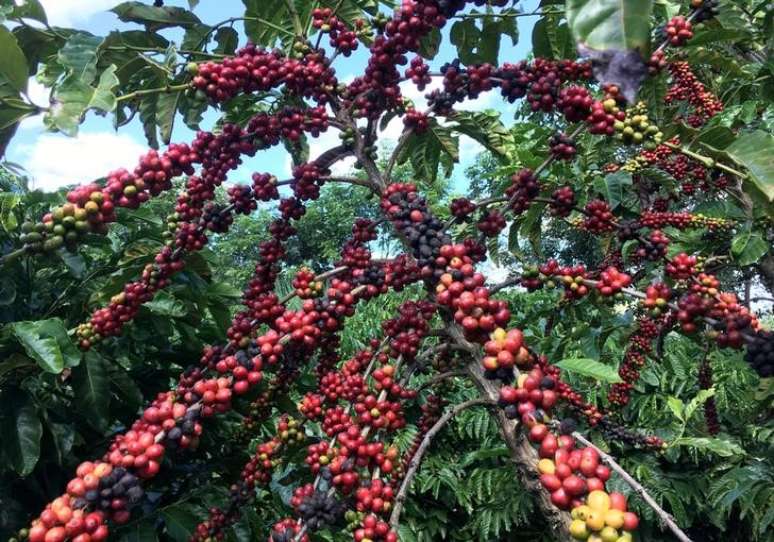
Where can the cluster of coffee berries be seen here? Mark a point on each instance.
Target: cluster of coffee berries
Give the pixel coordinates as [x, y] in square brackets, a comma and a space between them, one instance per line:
[532, 399]
[637, 129]
[657, 296]
[603, 117]
[505, 349]
[317, 508]
[287, 530]
[612, 281]
[409, 213]
[686, 87]
[523, 189]
[341, 38]
[491, 223]
[599, 218]
[419, 73]
[704, 10]
[678, 31]
[653, 247]
[462, 289]
[575, 103]
[253, 69]
[305, 285]
[760, 353]
[462, 207]
[562, 147]
[681, 266]
[634, 359]
[603, 516]
[562, 201]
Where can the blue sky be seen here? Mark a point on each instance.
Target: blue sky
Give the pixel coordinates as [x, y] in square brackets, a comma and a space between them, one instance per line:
[53, 160]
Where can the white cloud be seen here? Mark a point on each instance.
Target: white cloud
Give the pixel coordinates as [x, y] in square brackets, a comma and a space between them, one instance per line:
[54, 160]
[67, 12]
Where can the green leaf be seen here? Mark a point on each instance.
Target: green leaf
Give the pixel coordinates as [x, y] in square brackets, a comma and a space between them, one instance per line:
[64, 437]
[13, 110]
[30, 9]
[275, 13]
[8, 202]
[46, 342]
[13, 65]
[227, 39]
[430, 149]
[125, 389]
[723, 448]
[541, 44]
[591, 368]
[79, 57]
[677, 407]
[7, 291]
[74, 97]
[748, 247]
[180, 522]
[92, 390]
[75, 263]
[22, 431]
[486, 128]
[104, 98]
[166, 305]
[465, 36]
[617, 184]
[755, 151]
[430, 44]
[155, 17]
[166, 109]
[141, 531]
[605, 25]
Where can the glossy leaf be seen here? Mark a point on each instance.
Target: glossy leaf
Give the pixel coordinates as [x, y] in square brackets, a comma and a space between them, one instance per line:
[755, 151]
[22, 431]
[749, 247]
[591, 368]
[605, 25]
[155, 17]
[13, 65]
[617, 185]
[92, 390]
[46, 342]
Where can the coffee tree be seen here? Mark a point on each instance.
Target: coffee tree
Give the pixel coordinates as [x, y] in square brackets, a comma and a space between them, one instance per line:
[630, 205]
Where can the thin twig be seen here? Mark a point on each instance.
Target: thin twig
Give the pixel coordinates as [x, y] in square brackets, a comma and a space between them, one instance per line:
[637, 487]
[416, 459]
